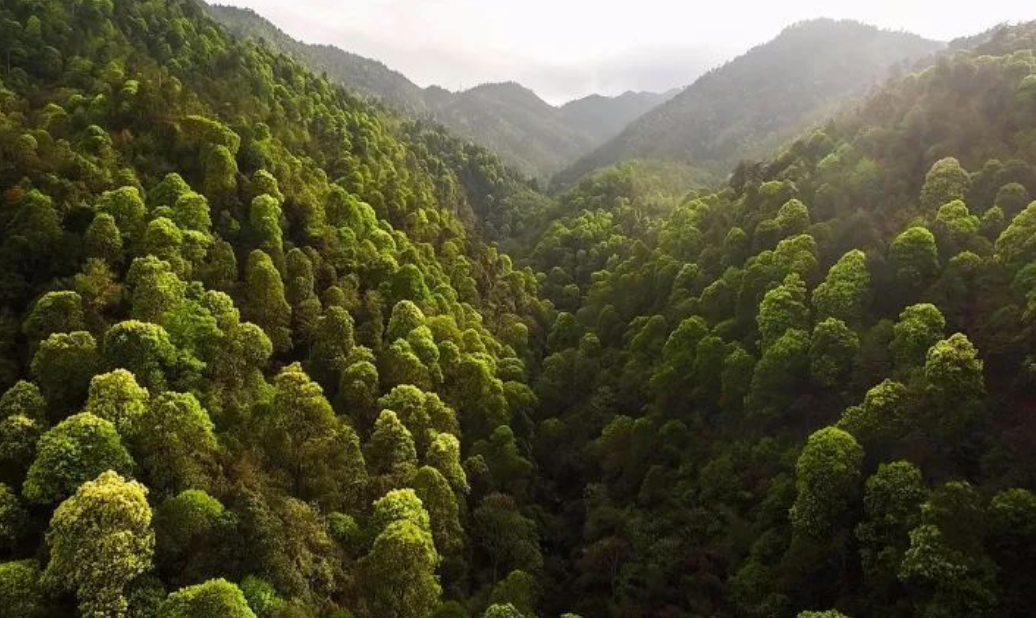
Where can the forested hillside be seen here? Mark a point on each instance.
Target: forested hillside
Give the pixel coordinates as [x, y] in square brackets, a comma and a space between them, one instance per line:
[526, 132]
[253, 362]
[257, 359]
[754, 103]
[813, 389]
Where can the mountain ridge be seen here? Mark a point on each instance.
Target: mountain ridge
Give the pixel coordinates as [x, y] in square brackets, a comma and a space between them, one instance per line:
[529, 133]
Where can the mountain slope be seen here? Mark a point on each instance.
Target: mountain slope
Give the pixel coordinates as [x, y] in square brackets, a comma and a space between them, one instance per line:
[758, 100]
[602, 118]
[528, 133]
[812, 389]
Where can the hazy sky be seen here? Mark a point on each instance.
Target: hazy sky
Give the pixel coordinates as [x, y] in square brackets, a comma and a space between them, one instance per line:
[565, 49]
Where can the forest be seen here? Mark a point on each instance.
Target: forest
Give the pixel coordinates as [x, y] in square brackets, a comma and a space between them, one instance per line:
[271, 349]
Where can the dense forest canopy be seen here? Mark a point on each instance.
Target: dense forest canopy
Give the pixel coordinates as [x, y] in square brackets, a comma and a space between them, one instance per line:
[268, 349]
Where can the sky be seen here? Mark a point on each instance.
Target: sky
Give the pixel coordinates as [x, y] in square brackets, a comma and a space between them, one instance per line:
[566, 49]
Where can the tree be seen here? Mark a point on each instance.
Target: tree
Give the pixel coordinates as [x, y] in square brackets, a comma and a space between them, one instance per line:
[72, 452]
[63, 366]
[127, 208]
[826, 474]
[155, 288]
[502, 610]
[946, 181]
[145, 350]
[13, 518]
[319, 454]
[845, 292]
[215, 597]
[390, 450]
[21, 592]
[778, 374]
[884, 413]
[54, 312]
[438, 499]
[509, 540]
[100, 539]
[398, 574]
[176, 444]
[783, 308]
[1016, 246]
[914, 258]
[955, 385]
[831, 352]
[192, 530]
[116, 397]
[265, 219]
[919, 328]
[103, 240]
[265, 303]
[444, 456]
[892, 502]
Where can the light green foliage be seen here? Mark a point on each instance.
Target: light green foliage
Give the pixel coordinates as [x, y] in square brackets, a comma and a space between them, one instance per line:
[103, 239]
[502, 610]
[783, 366]
[74, 451]
[175, 444]
[127, 208]
[116, 397]
[265, 219]
[216, 597]
[830, 613]
[1016, 246]
[783, 308]
[441, 503]
[793, 218]
[318, 454]
[100, 539]
[155, 288]
[265, 302]
[914, 257]
[883, 414]
[398, 575]
[845, 293]
[444, 456]
[144, 349]
[919, 327]
[23, 398]
[955, 385]
[826, 477]
[406, 316]
[946, 181]
[391, 447]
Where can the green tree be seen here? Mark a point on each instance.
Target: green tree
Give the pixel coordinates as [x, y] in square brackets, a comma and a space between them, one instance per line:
[176, 444]
[54, 312]
[63, 366]
[72, 452]
[914, 258]
[946, 181]
[116, 397]
[919, 328]
[265, 303]
[955, 385]
[826, 476]
[100, 539]
[892, 502]
[21, 591]
[397, 576]
[845, 292]
[783, 308]
[216, 597]
[831, 353]
[145, 350]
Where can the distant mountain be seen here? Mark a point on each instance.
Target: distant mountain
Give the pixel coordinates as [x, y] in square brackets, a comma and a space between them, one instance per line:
[525, 131]
[762, 98]
[602, 118]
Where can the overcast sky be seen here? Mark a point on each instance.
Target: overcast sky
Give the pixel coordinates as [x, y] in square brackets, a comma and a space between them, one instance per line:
[565, 49]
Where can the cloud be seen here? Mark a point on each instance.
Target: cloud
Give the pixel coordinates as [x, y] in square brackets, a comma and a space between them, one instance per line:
[564, 49]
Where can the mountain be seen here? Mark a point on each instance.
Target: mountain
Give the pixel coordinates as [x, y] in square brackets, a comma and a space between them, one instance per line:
[602, 118]
[528, 133]
[808, 393]
[756, 101]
